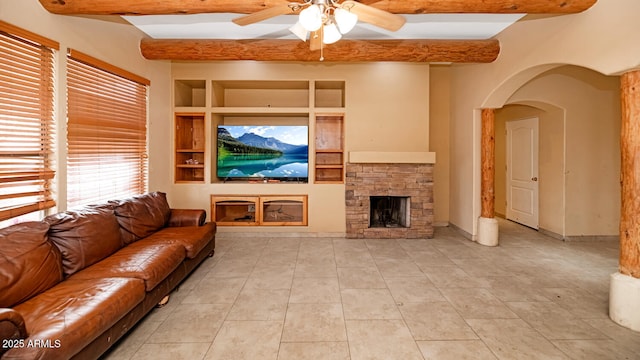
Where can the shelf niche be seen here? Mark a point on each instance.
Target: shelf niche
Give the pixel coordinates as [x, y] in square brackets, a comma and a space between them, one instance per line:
[251, 119]
[329, 94]
[189, 147]
[329, 148]
[189, 93]
[260, 94]
[235, 210]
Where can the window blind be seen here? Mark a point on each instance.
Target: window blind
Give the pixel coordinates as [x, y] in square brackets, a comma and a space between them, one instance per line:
[26, 121]
[106, 132]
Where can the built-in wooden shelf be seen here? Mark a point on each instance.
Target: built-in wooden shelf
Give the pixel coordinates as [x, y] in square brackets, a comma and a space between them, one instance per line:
[318, 104]
[256, 210]
[235, 210]
[329, 148]
[189, 147]
[283, 210]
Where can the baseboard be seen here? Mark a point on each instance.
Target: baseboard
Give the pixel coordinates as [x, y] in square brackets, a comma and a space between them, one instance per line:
[613, 238]
[225, 233]
[550, 234]
[237, 234]
[579, 238]
[462, 232]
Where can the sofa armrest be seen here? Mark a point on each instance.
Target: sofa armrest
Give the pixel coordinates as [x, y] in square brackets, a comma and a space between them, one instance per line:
[12, 327]
[187, 217]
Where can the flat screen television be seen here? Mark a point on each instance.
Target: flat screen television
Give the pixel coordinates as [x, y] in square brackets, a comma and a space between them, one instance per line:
[263, 152]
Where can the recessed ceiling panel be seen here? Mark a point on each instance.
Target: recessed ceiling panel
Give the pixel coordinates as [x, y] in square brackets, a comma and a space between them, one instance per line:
[219, 26]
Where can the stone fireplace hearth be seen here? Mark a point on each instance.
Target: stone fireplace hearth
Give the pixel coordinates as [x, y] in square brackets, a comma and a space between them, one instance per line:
[413, 181]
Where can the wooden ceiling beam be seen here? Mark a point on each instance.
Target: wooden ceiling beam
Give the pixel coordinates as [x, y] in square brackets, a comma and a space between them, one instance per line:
[154, 7]
[455, 51]
[484, 6]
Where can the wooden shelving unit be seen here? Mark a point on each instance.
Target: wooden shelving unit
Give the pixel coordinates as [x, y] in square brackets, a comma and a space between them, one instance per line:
[235, 210]
[283, 210]
[255, 210]
[189, 147]
[201, 105]
[329, 148]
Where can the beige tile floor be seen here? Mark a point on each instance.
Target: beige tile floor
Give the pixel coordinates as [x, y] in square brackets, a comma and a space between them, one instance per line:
[532, 297]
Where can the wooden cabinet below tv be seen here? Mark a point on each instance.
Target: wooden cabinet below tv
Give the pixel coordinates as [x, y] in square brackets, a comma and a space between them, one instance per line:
[259, 210]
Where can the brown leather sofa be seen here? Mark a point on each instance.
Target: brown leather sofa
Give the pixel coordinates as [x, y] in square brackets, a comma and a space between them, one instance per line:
[74, 283]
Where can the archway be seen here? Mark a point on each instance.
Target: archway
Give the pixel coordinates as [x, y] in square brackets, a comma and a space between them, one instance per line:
[580, 148]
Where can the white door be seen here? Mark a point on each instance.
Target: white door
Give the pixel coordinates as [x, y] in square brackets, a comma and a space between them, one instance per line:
[522, 171]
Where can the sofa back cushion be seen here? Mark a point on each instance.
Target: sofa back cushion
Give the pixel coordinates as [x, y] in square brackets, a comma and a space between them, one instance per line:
[29, 263]
[84, 236]
[141, 216]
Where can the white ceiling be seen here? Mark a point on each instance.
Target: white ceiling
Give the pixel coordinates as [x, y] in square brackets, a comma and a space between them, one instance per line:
[219, 26]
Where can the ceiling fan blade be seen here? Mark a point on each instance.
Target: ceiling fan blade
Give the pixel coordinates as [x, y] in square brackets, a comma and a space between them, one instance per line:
[374, 16]
[315, 40]
[263, 15]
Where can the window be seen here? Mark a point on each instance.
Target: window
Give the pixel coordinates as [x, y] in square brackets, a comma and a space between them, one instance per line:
[106, 131]
[26, 121]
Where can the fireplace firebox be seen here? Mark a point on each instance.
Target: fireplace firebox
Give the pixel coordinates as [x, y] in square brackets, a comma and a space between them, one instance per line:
[390, 211]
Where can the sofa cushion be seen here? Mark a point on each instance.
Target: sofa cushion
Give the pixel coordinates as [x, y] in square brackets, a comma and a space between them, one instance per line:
[84, 236]
[29, 264]
[142, 260]
[141, 216]
[192, 238]
[74, 313]
[187, 217]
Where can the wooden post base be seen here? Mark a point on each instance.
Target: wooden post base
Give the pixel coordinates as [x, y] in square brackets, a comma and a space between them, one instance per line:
[624, 297]
[487, 231]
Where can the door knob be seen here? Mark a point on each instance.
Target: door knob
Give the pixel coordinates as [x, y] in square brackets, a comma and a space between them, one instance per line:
[535, 178]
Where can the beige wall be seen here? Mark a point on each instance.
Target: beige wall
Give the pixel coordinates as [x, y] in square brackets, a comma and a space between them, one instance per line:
[386, 109]
[439, 114]
[113, 42]
[387, 103]
[602, 38]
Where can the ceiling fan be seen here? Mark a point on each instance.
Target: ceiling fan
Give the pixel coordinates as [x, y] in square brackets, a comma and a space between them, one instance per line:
[325, 21]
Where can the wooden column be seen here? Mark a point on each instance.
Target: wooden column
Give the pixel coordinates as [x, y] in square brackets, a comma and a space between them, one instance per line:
[630, 175]
[488, 152]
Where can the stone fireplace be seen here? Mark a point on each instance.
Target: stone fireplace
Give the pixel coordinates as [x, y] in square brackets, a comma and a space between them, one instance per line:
[397, 190]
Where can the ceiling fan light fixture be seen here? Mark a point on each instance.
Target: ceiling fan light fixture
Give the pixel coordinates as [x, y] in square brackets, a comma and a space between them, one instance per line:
[330, 33]
[299, 31]
[311, 18]
[345, 19]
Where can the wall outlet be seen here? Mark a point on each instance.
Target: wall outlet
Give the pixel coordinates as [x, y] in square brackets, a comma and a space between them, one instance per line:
[251, 208]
